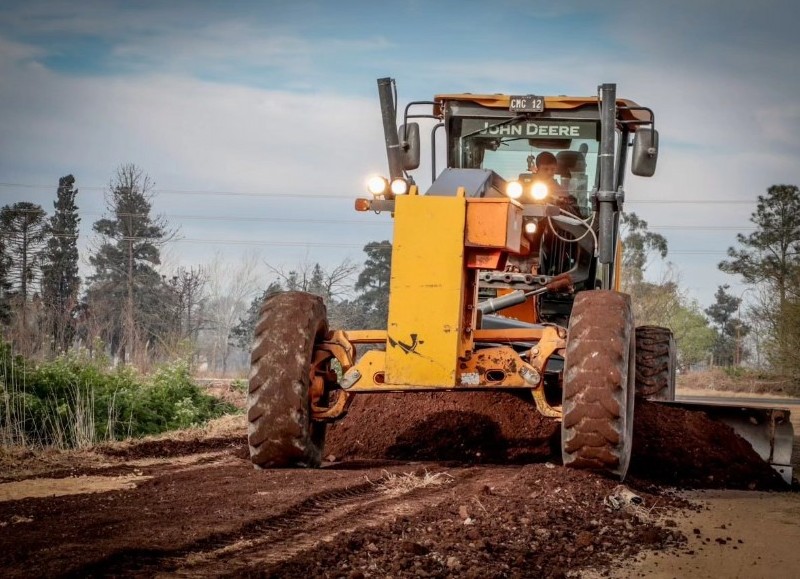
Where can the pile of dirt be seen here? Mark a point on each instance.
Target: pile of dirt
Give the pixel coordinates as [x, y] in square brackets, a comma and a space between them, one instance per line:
[167, 447]
[474, 427]
[671, 445]
[687, 449]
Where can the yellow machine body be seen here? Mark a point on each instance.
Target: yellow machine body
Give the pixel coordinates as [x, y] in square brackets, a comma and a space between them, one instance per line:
[423, 344]
[439, 245]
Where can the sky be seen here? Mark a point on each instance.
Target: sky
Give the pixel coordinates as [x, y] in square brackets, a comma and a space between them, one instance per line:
[259, 121]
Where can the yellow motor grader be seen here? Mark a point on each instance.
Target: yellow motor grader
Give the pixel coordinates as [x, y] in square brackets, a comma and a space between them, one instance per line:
[504, 276]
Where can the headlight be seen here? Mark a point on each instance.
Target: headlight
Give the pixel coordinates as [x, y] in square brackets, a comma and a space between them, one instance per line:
[530, 227]
[539, 191]
[514, 189]
[399, 187]
[377, 185]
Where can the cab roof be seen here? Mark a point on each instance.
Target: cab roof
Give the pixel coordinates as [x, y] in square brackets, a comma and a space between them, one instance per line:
[502, 101]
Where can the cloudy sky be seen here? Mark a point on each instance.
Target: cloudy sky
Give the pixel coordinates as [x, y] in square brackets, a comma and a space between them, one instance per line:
[259, 120]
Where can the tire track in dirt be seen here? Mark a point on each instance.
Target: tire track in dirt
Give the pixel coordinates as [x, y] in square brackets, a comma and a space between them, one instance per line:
[285, 543]
[278, 537]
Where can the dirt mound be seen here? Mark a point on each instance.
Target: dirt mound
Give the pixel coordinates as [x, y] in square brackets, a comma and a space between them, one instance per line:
[671, 445]
[688, 449]
[166, 447]
[478, 427]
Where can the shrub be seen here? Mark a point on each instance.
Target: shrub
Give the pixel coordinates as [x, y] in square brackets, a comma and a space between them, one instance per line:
[76, 401]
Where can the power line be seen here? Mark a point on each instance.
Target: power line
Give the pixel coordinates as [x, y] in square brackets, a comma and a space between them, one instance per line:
[371, 222]
[352, 196]
[338, 244]
[194, 192]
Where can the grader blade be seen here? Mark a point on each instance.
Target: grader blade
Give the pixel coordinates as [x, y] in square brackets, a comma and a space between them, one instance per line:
[768, 430]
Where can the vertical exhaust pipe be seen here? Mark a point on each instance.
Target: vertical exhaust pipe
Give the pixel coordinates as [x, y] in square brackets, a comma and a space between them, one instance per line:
[389, 114]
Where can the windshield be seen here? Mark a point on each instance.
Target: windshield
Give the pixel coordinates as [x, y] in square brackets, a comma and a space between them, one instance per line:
[510, 149]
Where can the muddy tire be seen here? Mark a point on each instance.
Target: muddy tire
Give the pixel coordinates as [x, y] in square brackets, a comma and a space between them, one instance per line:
[656, 363]
[280, 430]
[598, 394]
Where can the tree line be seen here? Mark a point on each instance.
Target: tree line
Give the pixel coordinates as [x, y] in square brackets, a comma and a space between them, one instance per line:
[139, 314]
[129, 306]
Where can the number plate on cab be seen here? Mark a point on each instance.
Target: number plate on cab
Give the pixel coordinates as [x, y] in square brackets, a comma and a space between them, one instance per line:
[526, 104]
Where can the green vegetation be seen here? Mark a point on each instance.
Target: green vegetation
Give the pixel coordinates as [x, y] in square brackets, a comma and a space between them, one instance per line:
[75, 402]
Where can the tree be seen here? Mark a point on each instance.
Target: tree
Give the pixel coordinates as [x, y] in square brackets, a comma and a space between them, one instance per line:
[229, 290]
[694, 338]
[728, 325]
[771, 256]
[60, 280]
[242, 334]
[373, 283]
[638, 247]
[330, 284]
[188, 285]
[661, 302]
[126, 287]
[5, 285]
[24, 231]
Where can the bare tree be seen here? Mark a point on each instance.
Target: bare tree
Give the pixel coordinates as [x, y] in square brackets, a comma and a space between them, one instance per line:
[331, 284]
[229, 290]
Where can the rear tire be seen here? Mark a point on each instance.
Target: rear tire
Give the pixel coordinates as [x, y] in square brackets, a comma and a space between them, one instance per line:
[656, 363]
[598, 385]
[280, 430]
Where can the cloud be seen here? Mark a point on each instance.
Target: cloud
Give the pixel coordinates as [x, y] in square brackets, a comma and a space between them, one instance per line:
[280, 97]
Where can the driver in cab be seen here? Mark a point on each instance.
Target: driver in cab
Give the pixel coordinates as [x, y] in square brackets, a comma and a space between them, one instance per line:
[543, 170]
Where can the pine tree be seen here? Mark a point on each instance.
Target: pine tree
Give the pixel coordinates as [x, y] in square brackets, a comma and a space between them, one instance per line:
[5, 285]
[724, 315]
[24, 231]
[373, 283]
[60, 280]
[126, 290]
[770, 256]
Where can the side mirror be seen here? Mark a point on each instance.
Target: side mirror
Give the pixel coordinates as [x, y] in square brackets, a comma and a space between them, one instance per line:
[645, 152]
[408, 136]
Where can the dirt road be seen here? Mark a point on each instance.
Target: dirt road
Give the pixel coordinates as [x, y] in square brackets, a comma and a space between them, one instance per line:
[196, 507]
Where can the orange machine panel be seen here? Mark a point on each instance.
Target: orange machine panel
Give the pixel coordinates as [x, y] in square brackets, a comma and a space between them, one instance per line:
[494, 223]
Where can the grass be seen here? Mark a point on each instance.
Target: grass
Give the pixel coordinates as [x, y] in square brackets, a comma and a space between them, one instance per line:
[395, 485]
[76, 401]
[741, 380]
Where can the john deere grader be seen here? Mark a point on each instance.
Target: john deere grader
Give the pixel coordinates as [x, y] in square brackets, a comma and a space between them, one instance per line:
[505, 275]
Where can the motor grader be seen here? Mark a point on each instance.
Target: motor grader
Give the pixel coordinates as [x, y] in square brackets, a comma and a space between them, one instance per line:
[503, 277]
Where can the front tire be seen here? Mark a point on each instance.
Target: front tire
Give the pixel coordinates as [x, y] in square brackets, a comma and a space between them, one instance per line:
[280, 430]
[598, 384]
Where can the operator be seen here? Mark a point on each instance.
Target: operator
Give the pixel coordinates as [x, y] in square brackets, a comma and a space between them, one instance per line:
[545, 172]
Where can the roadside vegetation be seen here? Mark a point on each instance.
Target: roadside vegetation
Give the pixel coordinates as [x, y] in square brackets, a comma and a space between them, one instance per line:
[75, 401]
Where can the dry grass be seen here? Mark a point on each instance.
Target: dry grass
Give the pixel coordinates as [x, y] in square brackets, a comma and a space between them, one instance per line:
[739, 380]
[395, 485]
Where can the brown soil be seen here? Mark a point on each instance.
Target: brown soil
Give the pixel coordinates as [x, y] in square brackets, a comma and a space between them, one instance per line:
[195, 506]
[672, 446]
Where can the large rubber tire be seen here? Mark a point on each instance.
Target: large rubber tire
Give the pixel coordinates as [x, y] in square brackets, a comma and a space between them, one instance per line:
[598, 385]
[280, 430]
[656, 363]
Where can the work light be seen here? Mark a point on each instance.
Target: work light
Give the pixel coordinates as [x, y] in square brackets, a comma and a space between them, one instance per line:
[377, 185]
[539, 191]
[399, 187]
[514, 189]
